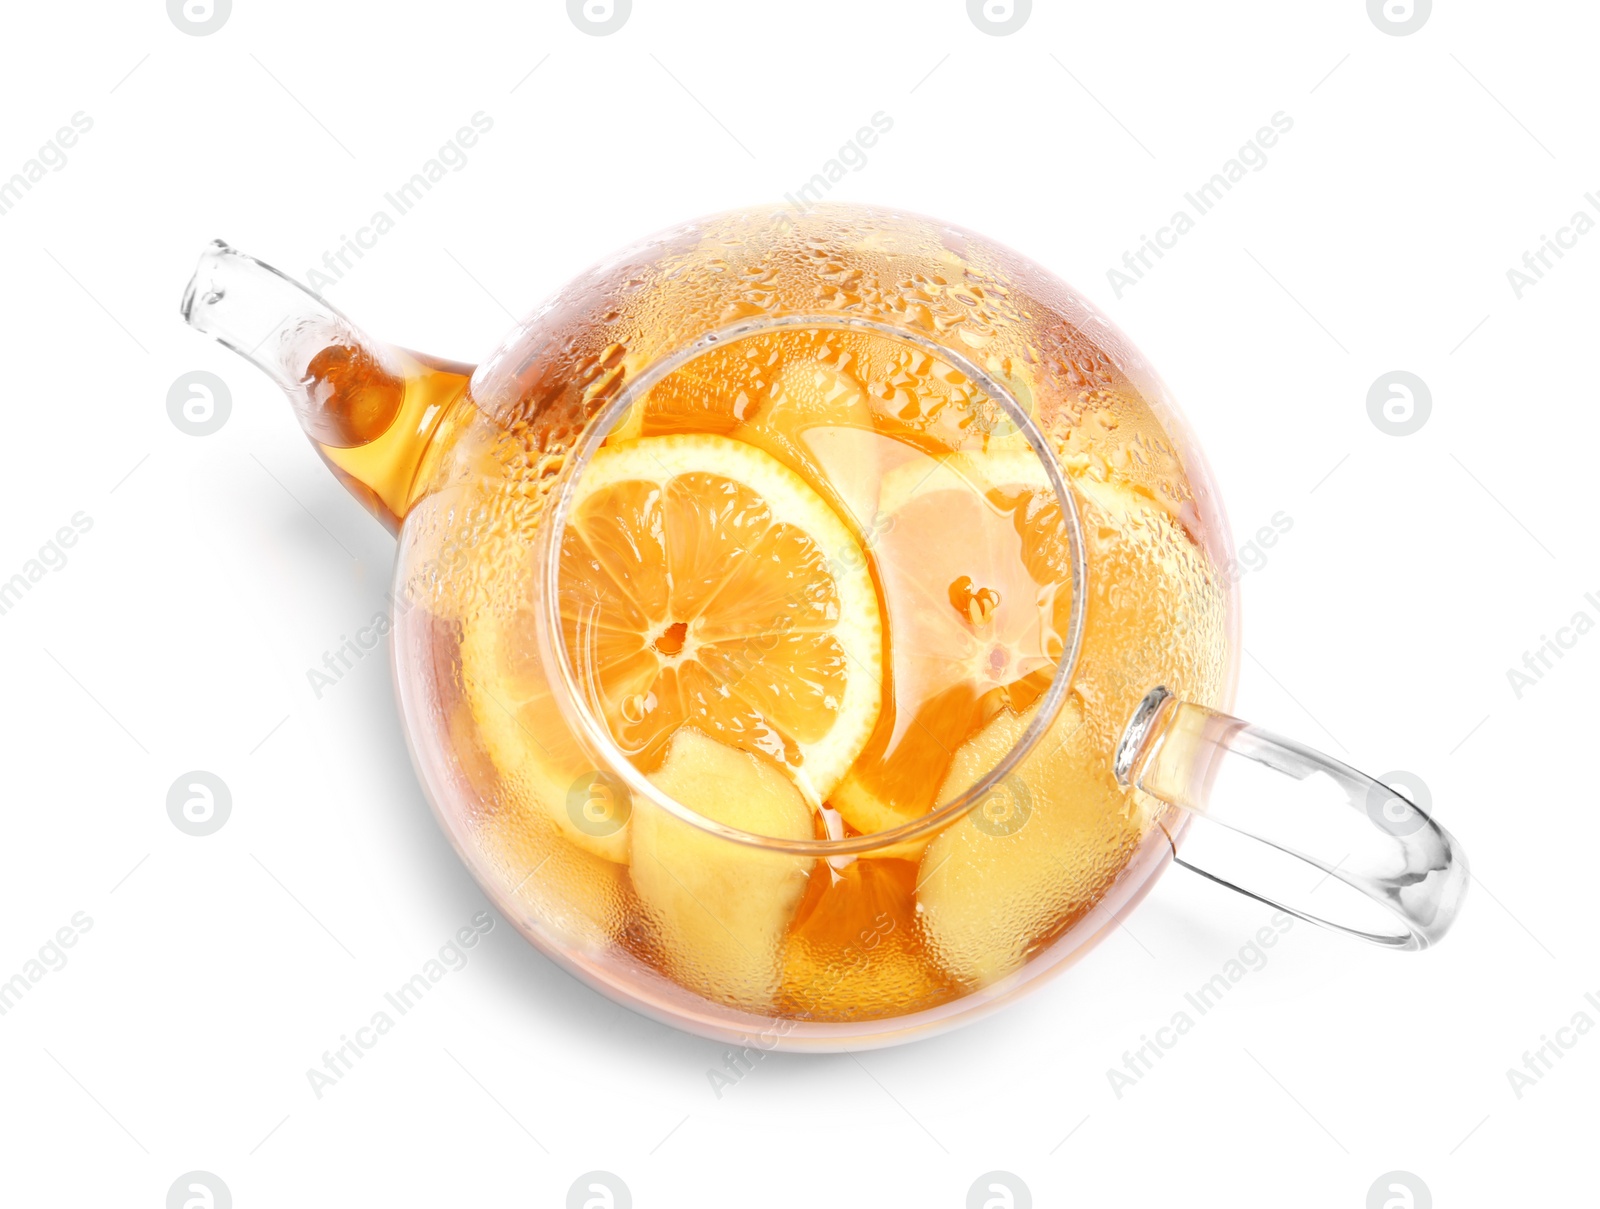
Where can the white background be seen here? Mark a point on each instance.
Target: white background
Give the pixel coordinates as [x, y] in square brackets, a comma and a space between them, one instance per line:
[218, 569]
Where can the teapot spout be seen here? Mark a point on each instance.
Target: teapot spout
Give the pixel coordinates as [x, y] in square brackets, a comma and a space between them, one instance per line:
[372, 411]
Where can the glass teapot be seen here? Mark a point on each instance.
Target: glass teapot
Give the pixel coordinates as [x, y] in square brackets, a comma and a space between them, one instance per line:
[813, 629]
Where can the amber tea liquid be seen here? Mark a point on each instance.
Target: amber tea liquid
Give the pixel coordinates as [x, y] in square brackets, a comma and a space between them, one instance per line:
[718, 659]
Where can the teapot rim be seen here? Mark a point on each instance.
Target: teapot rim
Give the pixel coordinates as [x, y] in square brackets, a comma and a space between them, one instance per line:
[597, 734]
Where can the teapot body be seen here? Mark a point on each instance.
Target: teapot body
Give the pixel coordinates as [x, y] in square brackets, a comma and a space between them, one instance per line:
[930, 933]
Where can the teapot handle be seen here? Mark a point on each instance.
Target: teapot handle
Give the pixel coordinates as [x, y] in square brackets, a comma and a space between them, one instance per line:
[1265, 790]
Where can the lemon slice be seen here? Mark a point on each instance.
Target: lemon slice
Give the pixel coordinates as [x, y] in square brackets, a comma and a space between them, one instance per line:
[977, 576]
[541, 767]
[976, 472]
[703, 582]
[797, 395]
